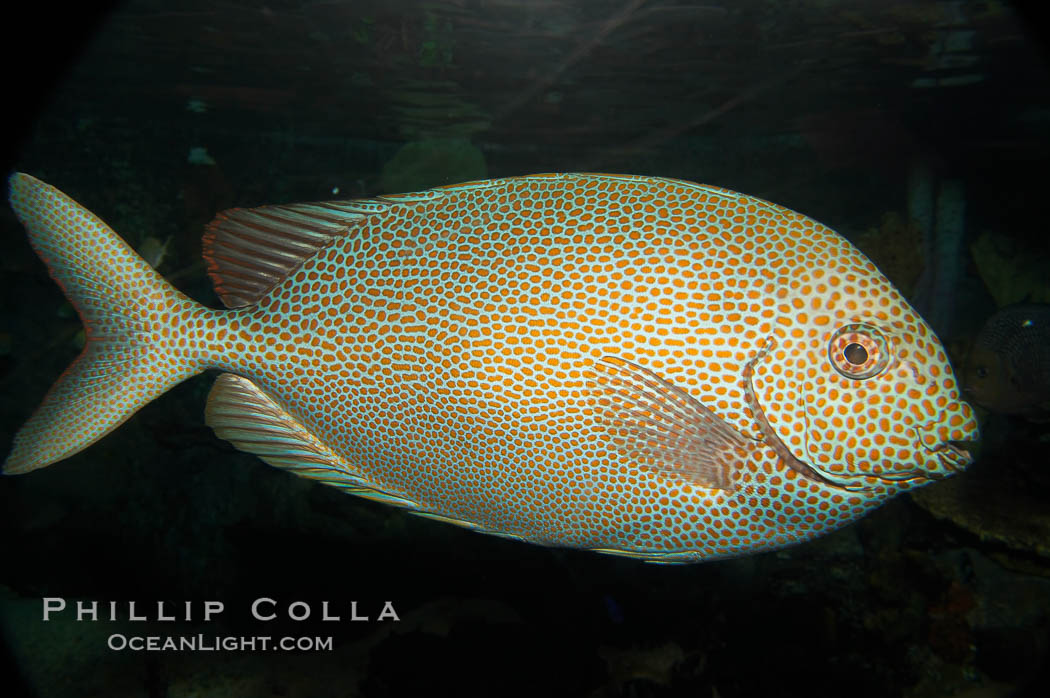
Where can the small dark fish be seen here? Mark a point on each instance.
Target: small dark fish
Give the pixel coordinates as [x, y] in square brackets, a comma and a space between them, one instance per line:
[1008, 369]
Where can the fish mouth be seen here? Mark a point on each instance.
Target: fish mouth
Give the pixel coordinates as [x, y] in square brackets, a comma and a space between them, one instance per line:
[953, 456]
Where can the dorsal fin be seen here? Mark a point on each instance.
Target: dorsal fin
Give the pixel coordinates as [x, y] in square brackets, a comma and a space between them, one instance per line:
[250, 250]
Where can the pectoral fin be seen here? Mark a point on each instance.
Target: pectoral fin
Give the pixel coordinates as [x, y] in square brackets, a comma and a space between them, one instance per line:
[667, 429]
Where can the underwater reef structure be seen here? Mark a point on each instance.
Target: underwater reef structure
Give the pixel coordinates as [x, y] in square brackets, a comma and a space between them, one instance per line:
[1002, 508]
[1012, 273]
[895, 246]
[425, 163]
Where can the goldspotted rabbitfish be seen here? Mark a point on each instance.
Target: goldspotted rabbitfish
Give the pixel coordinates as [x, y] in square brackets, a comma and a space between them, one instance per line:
[640, 366]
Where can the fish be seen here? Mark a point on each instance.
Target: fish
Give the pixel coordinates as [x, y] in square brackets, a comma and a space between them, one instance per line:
[633, 365]
[1008, 367]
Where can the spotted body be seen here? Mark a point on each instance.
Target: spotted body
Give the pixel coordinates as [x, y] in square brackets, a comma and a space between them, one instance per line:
[640, 366]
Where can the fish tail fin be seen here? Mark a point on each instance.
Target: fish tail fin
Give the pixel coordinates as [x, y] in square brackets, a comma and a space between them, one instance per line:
[127, 309]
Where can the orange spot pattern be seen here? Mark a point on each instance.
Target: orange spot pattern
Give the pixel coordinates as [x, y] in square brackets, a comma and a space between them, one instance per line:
[124, 303]
[443, 348]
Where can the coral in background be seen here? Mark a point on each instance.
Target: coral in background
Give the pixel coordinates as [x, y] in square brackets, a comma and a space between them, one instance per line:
[1010, 271]
[433, 162]
[895, 247]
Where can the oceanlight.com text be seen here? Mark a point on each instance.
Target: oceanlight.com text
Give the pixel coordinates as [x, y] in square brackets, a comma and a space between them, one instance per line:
[217, 643]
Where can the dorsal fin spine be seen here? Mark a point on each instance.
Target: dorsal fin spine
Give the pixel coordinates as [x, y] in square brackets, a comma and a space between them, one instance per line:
[249, 251]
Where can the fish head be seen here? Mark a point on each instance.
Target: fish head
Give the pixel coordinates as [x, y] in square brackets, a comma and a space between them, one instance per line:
[856, 386]
[1008, 367]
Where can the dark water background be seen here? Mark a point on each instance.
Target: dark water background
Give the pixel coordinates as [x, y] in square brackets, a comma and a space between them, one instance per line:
[159, 114]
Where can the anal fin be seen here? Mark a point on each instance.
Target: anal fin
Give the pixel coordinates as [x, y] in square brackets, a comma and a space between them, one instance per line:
[665, 428]
[239, 412]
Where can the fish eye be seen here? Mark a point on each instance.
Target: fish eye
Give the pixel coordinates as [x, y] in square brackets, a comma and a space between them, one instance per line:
[859, 351]
[856, 354]
[982, 372]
